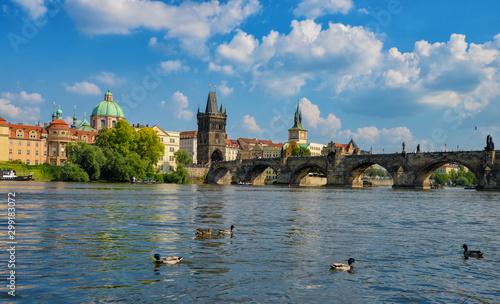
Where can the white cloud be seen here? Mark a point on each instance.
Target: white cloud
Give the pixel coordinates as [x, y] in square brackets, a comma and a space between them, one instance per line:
[19, 113]
[179, 104]
[224, 89]
[282, 63]
[34, 8]
[226, 69]
[109, 78]
[311, 114]
[316, 8]
[172, 66]
[23, 97]
[193, 23]
[363, 11]
[250, 124]
[83, 88]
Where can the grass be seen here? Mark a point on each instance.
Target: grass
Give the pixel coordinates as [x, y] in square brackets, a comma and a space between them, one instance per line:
[41, 171]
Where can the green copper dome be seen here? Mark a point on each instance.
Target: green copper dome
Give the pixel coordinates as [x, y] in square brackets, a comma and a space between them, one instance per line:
[107, 107]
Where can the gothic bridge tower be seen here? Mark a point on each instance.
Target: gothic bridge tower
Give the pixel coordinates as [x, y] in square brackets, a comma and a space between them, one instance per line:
[211, 138]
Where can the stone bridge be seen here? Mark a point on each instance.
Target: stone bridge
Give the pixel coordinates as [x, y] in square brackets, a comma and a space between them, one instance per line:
[410, 170]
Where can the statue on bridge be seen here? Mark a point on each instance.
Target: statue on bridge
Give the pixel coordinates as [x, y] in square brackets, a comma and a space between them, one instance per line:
[490, 146]
[418, 148]
[404, 150]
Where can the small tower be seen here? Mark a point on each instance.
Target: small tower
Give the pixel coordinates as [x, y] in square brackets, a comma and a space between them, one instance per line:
[59, 113]
[211, 139]
[297, 133]
[73, 125]
[54, 112]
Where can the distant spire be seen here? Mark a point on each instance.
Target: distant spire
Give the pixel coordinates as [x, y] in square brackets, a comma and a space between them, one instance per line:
[73, 125]
[84, 114]
[215, 88]
[54, 112]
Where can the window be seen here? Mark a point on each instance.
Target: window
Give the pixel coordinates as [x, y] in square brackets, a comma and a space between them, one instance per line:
[45, 144]
[36, 161]
[32, 134]
[36, 152]
[18, 142]
[44, 153]
[171, 149]
[19, 133]
[36, 144]
[19, 151]
[27, 162]
[161, 138]
[113, 123]
[28, 152]
[10, 151]
[54, 149]
[28, 143]
[10, 142]
[103, 123]
[172, 140]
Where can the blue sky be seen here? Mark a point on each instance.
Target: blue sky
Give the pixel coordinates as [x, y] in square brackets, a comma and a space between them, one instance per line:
[381, 72]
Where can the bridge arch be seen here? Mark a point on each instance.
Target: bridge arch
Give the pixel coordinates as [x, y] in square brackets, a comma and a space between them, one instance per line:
[354, 175]
[300, 172]
[255, 174]
[219, 174]
[423, 174]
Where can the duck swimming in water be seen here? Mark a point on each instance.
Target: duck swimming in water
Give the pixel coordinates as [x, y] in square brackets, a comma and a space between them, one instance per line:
[341, 266]
[469, 253]
[225, 231]
[167, 260]
[204, 231]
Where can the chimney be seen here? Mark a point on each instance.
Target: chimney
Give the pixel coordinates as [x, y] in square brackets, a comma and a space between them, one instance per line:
[147, 125]
[44, 124]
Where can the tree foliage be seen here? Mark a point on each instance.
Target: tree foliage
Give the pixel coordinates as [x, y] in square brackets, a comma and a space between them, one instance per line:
[148, 145]
[71, 172]
[300, 151]
[182, 158]
[89, 157]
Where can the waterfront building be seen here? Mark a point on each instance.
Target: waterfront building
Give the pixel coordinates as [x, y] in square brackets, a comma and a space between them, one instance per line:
[232, 149]
[211, 139]
[447, 168]
[23, 142]
[106, 113]
[343, 149]
[188, 142]
[315, 148]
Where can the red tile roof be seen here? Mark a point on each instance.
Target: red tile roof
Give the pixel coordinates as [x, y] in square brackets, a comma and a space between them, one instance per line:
[188, 134]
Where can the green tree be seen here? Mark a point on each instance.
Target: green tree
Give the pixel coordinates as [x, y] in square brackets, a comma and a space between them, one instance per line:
[73, 173]
[182, 158]
[463, 181]
[297, 151]
[122, 138]
[453, 176]
[149, 146]
[471, 177]
[89, 157]
[441, 178]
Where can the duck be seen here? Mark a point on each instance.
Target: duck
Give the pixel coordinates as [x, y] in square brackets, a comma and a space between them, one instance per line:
[204, 231]
[469, 253]
[340, 266]
[171, 260]
[225, 231]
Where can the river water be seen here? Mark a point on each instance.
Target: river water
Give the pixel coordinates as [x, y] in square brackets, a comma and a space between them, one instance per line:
[93, 243]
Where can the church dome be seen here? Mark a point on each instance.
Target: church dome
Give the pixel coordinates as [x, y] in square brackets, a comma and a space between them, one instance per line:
[108, 107]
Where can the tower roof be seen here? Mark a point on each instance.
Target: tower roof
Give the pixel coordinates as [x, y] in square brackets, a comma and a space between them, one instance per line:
[297, 120]
[212, 103]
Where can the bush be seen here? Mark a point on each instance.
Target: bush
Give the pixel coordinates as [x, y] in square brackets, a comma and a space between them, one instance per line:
[73, 173]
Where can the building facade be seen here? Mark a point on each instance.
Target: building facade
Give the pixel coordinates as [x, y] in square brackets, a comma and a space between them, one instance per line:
[171, 141]
[211, 140]
[232, 149]
[188, 142]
